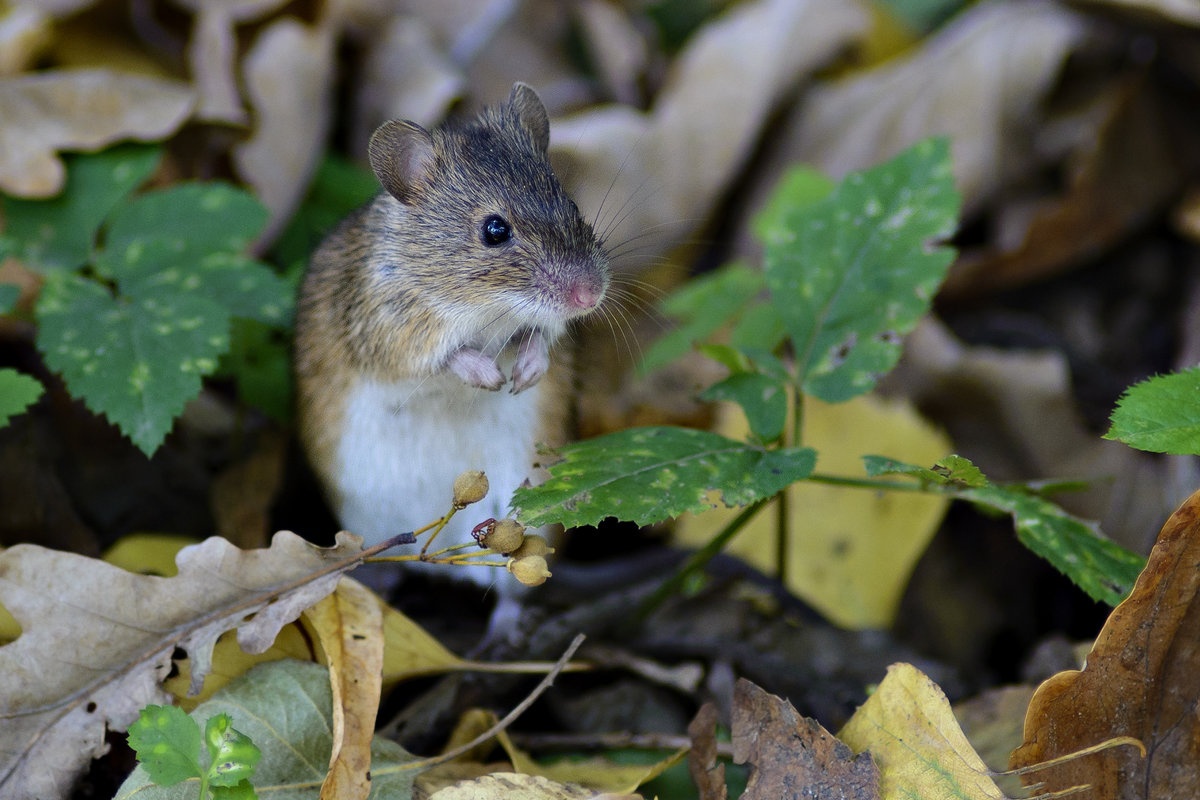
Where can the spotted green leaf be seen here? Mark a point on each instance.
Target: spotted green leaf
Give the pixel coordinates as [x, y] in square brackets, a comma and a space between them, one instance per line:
[953, 471]
[852, 274]
[1161, 414]
[18, 392]
[646, 475]
[137, 360]
[764, 400]
[232, 755]
[1103, 569]
[58, 233]
[167, 743]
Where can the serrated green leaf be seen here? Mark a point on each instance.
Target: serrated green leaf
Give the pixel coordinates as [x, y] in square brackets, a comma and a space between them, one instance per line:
[702, 306]
[954, 471]
[242, 791]
[646, 475]
[137, 361]
[1103, 569]
[1161, 414]
[196, 219]
[285, 707]
[58, 234]
[799, 188]
[232, 756]
[764, 400]
[18, 392]
[9, 294]
[851, 275]
[167, 743]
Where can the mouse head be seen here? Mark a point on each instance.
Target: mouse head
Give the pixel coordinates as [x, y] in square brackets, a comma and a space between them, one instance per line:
[482, 200]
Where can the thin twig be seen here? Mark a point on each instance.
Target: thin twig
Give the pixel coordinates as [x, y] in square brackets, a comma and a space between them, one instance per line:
[609, 741]
[508, 719]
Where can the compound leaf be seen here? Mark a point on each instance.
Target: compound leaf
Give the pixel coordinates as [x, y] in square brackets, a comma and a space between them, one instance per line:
[58, 233]
[646, 475]
[852, 274]
[1161, 414]
[139, 360]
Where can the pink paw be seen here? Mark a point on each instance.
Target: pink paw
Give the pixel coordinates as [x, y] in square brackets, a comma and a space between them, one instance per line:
[476, 369]
[533, 359]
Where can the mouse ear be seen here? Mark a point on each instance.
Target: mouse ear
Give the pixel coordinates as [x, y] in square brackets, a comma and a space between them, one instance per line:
[530, 112]
[401, 154]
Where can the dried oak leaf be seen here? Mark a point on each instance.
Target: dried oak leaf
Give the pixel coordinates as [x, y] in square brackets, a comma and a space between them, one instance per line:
[793, 756]
[1142, 680]
[78, 109]
[97, 641]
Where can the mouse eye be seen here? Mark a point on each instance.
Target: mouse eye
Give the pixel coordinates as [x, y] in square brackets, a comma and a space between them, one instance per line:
[496, 230]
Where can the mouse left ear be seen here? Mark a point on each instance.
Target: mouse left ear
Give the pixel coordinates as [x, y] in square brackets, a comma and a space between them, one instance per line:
[530, 112]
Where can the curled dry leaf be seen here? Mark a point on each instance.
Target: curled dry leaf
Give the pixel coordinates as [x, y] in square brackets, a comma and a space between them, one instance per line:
[1142, 680]
[793, 756]
[514, 786]
[97, 641]
[349, 625]
[80, 109]
[977, 81]
[707, 773]
[288, 75]
[908, 727]
[703, 125]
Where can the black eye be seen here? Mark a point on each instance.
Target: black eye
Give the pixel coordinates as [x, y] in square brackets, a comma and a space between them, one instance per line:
[496, 231]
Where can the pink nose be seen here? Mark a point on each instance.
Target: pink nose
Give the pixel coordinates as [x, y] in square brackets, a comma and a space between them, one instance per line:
[584, 295]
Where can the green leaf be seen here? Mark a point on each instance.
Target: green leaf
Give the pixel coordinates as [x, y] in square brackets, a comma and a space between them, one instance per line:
[799, 188]
[285, 707]
[851, 275]
[1103, 569]
[232, 756]
[18, 392]
[764, 400]
[259, 360]
[196, 218]
[1161, 414]
[9, 294]
[167, 743]
[953, 471]
[58, 234]
[138, 360]
[242, 791]
[702, 306]
[646, 475]
[339, 187]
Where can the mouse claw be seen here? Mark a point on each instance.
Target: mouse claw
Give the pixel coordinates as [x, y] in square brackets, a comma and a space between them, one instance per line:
[476, 369]
[533, 359]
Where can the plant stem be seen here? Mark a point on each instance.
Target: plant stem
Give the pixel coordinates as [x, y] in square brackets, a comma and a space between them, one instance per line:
[873, 484]
[698, 559]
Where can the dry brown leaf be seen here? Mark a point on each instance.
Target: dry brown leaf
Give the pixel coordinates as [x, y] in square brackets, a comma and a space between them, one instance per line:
[793, 756]
[82, 109]
[513, 786]
[288, 75]
[1142, 680]
[97, 641]
[909, 729]
[704, 123]
[707, 772]
[978, 80]
[349, 626]
[24, 32]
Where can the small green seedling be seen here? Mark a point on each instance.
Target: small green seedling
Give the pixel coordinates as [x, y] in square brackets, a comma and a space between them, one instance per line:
[167, 743]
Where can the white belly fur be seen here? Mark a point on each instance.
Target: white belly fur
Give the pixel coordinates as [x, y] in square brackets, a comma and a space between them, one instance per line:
[403, 445]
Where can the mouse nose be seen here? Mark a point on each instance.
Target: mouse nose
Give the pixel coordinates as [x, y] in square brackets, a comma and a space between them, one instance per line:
[585, 294]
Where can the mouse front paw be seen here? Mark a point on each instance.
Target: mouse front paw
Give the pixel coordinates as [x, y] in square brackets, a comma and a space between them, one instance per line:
[533, 359]
[476, 369]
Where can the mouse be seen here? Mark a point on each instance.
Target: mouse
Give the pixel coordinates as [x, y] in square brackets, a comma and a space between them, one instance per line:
[426, 326]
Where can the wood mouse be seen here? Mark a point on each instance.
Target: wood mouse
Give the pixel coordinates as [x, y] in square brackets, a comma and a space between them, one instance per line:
[425, 321]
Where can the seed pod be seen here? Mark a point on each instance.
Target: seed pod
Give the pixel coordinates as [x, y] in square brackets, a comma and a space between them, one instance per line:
[532, 546]
[469, 487]
[505, 536]
[530, 570]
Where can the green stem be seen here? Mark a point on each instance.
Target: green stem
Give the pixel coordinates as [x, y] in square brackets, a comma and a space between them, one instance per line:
[782, 517]
[698, 559]
[873, 484]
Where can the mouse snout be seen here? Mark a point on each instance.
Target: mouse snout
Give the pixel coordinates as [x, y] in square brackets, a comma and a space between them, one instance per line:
[585, 293]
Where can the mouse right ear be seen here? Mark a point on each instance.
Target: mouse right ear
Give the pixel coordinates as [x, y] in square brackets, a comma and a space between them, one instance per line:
[401, 154]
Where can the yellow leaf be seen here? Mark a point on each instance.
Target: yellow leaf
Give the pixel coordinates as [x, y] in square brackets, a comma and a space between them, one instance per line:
[148, 553]
[910, 731]
[229, 661]
[851, 551]
[349, 626]
[409, 651]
